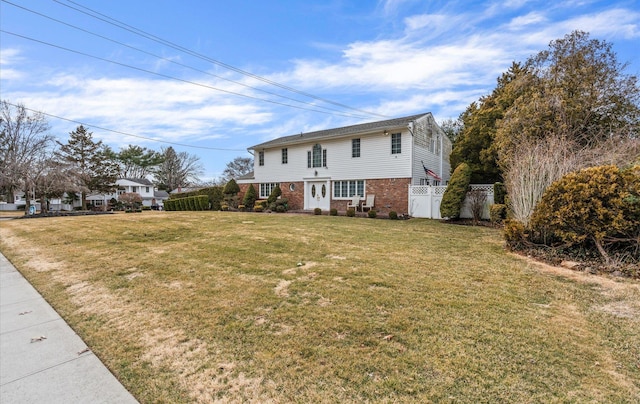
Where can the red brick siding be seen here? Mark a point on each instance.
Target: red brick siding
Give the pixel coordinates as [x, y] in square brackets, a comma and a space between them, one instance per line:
[295, 197]
[391, 194]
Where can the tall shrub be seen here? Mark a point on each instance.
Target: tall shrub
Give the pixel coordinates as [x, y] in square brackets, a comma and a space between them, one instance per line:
[455, 192]
[231, 187]
[250, 197]
[276, 192]
[230, 193]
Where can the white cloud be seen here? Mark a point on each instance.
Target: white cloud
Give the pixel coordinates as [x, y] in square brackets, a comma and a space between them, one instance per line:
[524, 21]
[9, 57]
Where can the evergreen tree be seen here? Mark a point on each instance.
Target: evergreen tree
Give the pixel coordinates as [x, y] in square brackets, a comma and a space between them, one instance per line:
[88, 164]
[474, 144]
[137, 162]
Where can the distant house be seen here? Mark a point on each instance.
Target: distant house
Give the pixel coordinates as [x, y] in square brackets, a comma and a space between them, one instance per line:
[151, 197]
[326, 168]
[181, 190]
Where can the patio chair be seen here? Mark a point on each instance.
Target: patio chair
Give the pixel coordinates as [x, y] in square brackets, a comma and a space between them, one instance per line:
[354, 203]
[368, 204]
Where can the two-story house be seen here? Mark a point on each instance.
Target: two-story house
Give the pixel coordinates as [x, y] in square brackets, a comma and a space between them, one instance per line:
[325, 169]
[150, 195]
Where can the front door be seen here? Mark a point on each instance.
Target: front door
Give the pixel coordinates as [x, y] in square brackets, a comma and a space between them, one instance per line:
[317, 195]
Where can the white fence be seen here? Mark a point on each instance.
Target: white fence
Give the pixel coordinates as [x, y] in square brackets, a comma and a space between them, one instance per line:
[424, 201]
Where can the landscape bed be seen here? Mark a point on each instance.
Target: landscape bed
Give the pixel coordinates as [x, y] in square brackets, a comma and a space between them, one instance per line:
[232, 307]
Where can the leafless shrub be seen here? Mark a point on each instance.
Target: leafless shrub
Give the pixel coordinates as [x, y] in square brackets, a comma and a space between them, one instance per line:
[477, 198]
[535, 165]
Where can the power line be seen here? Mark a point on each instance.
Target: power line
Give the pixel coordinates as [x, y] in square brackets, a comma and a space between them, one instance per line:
[123, 133]
[169, 60]
[137, 31]
[175, 78]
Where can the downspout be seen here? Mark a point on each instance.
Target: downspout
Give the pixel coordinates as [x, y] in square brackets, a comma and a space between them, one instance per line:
[441, 152]
[410, 128]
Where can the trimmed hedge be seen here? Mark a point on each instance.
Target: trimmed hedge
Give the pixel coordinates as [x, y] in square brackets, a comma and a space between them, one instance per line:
[213, 194]
[199, 202]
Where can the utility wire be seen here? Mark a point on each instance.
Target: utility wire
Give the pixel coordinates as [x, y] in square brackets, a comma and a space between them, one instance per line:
[137, 31]
[169, 60]
[123, 133]
[175, 78]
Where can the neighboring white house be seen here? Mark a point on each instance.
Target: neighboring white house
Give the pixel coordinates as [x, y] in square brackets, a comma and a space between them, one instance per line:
[325, 169]
[150, 195]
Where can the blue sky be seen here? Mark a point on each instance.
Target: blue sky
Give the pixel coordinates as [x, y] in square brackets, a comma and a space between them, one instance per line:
[369, 59]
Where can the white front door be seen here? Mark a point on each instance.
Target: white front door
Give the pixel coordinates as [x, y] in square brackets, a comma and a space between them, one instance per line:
[317, 195]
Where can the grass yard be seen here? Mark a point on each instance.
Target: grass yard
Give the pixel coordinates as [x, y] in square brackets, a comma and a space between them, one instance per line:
[234, 307]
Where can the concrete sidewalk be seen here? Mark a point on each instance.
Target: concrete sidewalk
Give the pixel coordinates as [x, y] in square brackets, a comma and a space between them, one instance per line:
[42, 360]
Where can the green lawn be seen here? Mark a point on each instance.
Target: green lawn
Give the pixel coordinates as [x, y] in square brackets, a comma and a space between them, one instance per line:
[205, 306]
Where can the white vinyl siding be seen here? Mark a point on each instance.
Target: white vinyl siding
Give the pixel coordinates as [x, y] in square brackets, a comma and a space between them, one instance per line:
[376, 162]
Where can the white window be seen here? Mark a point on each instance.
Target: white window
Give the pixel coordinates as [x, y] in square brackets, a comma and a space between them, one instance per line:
[347, 189]
[261, 158]
[147, 190]
[396, 143]
[355, 147]
[266, 188]
[317, 157]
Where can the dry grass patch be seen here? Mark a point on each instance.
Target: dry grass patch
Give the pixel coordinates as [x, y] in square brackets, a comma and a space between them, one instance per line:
[218, 306]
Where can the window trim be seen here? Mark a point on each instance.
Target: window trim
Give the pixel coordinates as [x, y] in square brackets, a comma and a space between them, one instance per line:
[347, 187]
[396, 143]
[317, 156]
[267, 186]
[355, 147]
[261, 158]
[285, 155]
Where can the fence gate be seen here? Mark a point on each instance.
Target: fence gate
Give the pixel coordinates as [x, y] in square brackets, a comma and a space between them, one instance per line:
[424, 201]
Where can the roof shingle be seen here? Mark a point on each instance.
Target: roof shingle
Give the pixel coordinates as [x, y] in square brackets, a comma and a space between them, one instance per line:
[338, 132]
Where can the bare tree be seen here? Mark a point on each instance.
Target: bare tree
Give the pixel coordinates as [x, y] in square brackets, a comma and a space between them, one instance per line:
[177, 169]
[24, 142]
[237, 168]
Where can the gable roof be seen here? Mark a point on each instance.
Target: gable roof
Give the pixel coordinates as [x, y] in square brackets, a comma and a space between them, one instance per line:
[339, 132]
[142, 181]
[182, 190]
